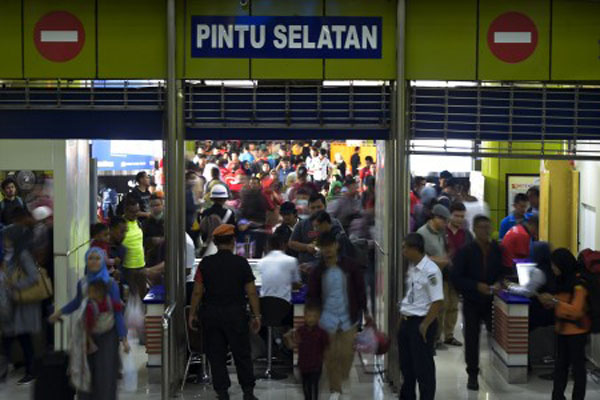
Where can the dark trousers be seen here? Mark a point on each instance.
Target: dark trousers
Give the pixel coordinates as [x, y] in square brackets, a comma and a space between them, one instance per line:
[570, 352]
[227, 328]
[474, 314]
[26, 342]
[310, 385]
[416, 359]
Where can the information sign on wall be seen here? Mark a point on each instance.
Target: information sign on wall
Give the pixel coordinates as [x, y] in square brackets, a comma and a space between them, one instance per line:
[286, 37]
[518, 183]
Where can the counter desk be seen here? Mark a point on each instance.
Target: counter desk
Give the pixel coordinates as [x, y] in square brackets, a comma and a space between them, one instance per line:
[510, 339]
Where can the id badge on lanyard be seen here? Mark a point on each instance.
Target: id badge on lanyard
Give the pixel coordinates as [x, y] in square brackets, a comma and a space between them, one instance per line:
[411, 295]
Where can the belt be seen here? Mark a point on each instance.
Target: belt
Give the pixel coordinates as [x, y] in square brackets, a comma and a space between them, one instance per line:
[410, 317]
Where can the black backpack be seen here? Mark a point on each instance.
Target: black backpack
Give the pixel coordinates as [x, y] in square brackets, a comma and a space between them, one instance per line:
[589, 262]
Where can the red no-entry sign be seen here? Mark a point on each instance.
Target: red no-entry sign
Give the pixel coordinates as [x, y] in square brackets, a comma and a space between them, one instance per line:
[59, 36]
[512, 37]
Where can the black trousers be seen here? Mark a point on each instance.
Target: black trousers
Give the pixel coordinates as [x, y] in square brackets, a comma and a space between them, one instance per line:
[570, 352]
[310, 385]
[226, 328]
[474, 314]
[416, 359]
[26, 342]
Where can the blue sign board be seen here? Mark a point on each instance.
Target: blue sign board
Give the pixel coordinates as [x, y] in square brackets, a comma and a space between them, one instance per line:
[286, 37]
[111, 160]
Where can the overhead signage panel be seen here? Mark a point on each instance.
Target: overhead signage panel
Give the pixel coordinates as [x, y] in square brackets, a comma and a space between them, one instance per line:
[286, 37]
[575, 40]
[514, 40]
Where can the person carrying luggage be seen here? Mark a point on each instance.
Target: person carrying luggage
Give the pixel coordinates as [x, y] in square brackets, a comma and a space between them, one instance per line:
[97, 380]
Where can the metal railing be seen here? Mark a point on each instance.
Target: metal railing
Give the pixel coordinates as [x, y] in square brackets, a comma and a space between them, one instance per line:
[530, 120]
[167, 351]
[123, 95]
[311, 104]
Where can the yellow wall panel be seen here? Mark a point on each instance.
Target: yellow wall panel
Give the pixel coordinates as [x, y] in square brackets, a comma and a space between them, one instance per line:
[84, 64]
[132, 39]
[575, 40]
[537, 65]
[384, 68]
[286, 68]
[213, 68]
[441, 40]
[10, 45]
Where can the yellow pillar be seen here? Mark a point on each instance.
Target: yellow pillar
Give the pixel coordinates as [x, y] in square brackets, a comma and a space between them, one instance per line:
[559, 199]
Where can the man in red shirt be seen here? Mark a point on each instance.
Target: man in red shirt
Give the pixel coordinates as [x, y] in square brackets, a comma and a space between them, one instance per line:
[366, 171]
[517, 241]
[457, 237]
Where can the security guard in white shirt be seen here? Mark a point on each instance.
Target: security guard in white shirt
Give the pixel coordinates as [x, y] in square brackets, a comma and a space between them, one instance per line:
[424, 295]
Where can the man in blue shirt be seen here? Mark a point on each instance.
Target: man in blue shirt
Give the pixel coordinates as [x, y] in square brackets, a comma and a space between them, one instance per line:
[284, 168]
[517, 216]
[337, 285]
[246, 155]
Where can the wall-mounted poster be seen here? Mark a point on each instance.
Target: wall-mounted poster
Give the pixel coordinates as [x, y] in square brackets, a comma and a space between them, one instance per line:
[518, 183]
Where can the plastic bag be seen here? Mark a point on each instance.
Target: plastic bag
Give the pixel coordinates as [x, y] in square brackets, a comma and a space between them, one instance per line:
[130, 373]
[366, 341]
[134, 313]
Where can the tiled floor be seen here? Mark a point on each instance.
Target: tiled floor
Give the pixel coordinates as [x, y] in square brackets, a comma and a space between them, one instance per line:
[451, 385]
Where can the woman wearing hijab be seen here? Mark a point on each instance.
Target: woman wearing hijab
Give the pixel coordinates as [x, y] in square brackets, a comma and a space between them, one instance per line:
[27, 318]
[99, 381]
[572, 324]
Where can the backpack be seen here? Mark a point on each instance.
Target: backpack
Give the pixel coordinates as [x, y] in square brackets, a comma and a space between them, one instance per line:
[2, 206]
[589, 262]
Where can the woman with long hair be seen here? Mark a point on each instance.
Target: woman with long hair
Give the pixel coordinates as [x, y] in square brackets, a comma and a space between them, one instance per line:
[572, 324]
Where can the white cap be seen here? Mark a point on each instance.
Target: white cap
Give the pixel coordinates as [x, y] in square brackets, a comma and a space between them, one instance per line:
[41, 213]
[219, 192]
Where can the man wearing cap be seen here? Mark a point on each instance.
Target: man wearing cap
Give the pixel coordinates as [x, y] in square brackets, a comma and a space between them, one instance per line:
[348, 206]
[302, 182]
[445, 176]
[214, 216]
[434, 236]
[222, 283]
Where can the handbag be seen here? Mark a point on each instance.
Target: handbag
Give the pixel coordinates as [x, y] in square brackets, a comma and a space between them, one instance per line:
[39, 291]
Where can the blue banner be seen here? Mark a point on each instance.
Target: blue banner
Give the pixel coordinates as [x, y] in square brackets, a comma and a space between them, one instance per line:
[286, 37]
[116, 159]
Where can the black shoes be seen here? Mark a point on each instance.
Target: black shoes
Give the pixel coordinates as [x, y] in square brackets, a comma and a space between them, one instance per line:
[472, 383]
[26, 380]
[452, 342]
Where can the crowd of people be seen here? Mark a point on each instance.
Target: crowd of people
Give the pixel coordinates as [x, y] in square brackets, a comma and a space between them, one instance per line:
[291, 204]
[309, 219]
[453, 257]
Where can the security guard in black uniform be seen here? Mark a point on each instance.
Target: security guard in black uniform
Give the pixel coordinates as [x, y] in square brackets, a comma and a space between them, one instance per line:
[418, 325]
[222, 283]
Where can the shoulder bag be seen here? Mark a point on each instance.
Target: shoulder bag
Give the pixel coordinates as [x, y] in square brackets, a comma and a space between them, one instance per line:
[39, 291]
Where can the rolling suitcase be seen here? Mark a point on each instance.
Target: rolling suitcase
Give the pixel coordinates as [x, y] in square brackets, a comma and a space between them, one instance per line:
[53, 381]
